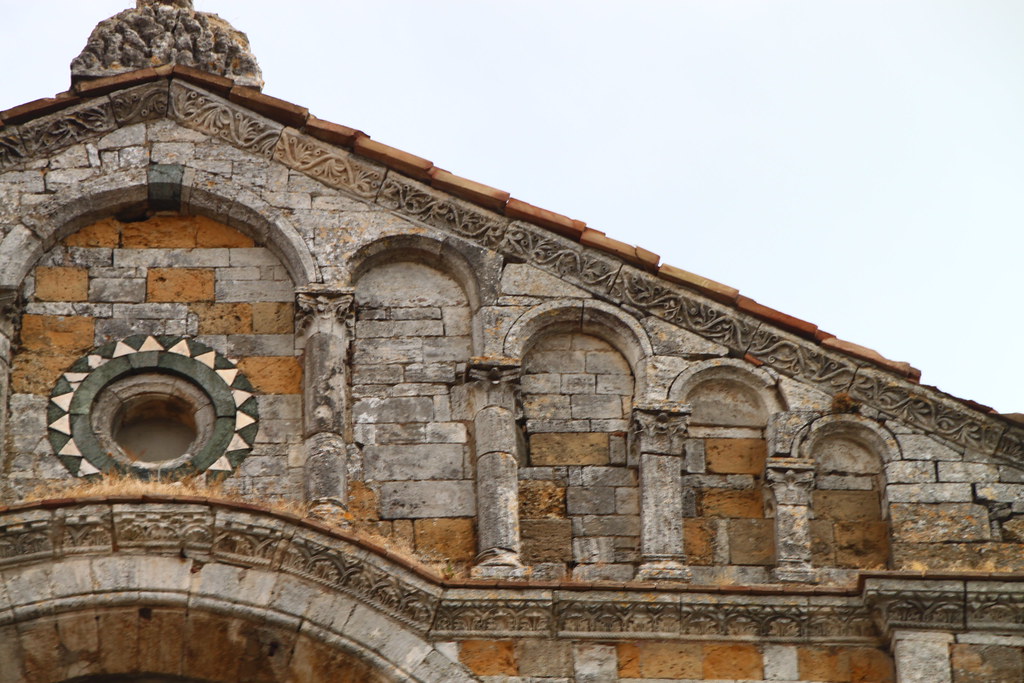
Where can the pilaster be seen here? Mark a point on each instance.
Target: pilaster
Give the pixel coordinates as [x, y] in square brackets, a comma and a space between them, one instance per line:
[658, 434]
[791, 481]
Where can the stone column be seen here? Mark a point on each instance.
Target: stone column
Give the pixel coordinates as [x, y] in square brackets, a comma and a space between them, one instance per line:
[499, 452]
[322, 326]
[658, 435]
[791, 481]
[922, 656]
[8, 320]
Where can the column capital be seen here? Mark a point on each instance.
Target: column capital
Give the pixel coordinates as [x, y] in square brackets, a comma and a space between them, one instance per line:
[9, 310]
[659, 427]
[791, 480]
[494, 369]
[321, 308]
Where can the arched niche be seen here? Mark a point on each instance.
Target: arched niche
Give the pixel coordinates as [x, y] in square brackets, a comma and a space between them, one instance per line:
[849, 529]
[414, 336]
[74, 207]
[727, 393]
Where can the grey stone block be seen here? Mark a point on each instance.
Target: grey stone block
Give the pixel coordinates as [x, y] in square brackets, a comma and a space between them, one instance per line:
[124, 290]
[376, 410]
[413, 462]
[423, 499]
[591, 500]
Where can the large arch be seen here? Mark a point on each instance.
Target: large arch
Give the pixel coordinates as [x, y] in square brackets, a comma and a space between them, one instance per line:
[73, 207]
[209, 593]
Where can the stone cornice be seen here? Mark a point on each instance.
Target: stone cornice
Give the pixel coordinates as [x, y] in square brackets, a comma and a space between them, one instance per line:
[214, 531]
[609, 273]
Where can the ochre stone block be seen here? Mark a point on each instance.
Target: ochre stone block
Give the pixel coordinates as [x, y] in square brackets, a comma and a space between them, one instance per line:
[699, 541]
[940, 522]
[569, 449]
[546, 540]
[539, 499]
[269, 317]
[62, 283]
[823, 552]
[161, 232]
[224, 318]
[448, 538]
[735, 456]
[747, 503]
[752, 541]
[862, 545]
[362, 501]
[167, 285]
[118, 635]
[986, 663]
[660, 660]
[868, 665]
[940, 557]
[57, 335]
[489, 657]
[105, 233]
[847, 506]
[213, 235]
[161, 640]
[39, 640]
[823, 663]
[733, 661]
[34, 373]
[273, 374]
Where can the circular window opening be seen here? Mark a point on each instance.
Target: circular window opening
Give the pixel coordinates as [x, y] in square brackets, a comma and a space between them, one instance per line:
[155, 428]
[153, 419]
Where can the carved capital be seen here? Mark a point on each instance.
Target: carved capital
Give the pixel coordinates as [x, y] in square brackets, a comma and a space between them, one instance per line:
[791, 480]
[322, 310]
[659, 427]
[497, 379]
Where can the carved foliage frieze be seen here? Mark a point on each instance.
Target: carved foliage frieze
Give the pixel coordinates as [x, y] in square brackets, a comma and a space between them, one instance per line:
[797, 359]
[617, 618]
[942, 418]
[12, 149]
[493, 617]
[653, 295]
[433, 208]
[576, 264]
[214, 116]
[331, 166]
[144, 103]
[919, 609]
[68, 127]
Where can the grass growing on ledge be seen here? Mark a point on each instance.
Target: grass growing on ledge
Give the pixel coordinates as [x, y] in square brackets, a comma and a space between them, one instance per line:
[115, 484]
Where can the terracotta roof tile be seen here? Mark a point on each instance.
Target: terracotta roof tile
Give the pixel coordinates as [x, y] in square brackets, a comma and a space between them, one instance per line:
[271, 107]
[101, 86]
[648, 259]
[563, 225]
[596, 238]
[715, 290]
[410, 164]
[218, 85]
[800, 327]
[470, 190]
[872, 356]
[37, 108]
[331, 132]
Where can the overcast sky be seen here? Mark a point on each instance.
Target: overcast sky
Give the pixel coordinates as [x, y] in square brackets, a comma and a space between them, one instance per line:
[857, 164]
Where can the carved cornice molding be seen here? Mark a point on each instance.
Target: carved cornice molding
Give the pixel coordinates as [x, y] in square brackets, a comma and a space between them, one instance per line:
[602, 275]
[951, 605]
[207, 531]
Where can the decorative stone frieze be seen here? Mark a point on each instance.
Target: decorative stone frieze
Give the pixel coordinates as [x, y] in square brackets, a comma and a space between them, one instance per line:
[67, 127]
[657, 440]
[791, 481]
[144, 103]
[215, 116]
[159, 32]
[330, 165]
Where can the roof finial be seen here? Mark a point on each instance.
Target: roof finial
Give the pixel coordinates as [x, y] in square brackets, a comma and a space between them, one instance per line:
[183, 4]
[159, 32]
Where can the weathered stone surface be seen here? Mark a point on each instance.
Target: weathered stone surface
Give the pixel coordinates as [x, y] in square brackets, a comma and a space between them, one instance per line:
[940, 522]
[569, 449]
[735, 456]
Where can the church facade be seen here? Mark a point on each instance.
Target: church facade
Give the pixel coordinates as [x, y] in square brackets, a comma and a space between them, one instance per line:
[284, 403]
